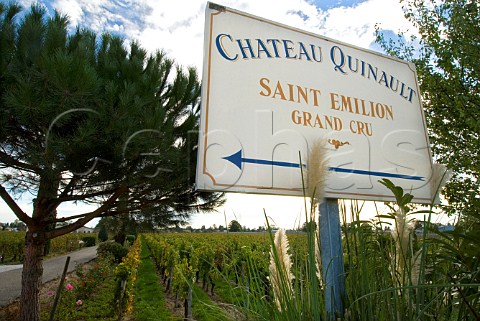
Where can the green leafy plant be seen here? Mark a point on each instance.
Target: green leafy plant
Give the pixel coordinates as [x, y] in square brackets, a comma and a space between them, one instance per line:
[11, 246]
[89, 240]
[88, 295]
[92, 279]
[117, 250]
[125, 275]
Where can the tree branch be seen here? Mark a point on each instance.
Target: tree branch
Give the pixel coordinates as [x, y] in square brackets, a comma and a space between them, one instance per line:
[88, 216]
[12, 162]
[105, 214]
[68, 187]
[80, 197]
[22, 216]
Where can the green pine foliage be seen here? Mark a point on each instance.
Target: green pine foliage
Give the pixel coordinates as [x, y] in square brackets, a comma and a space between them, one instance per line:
[88, 117]
[85, 115]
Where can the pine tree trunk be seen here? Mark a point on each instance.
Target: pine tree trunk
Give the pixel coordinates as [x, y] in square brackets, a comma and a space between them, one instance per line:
[32, 277]
[123, 220]
[35, 240]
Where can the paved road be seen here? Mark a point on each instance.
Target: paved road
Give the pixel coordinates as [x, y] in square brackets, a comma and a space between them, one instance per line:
[10, 281]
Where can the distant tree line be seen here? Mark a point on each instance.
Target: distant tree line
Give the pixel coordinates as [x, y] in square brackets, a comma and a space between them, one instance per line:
[17, 225]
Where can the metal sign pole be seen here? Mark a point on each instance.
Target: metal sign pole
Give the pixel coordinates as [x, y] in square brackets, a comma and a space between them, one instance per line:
[332, 257]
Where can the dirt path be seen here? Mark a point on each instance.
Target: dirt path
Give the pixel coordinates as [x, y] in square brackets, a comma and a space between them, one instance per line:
[10, 280]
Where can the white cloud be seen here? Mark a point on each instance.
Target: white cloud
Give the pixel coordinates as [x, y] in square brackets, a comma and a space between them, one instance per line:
[177, 26]
[72, 8]
[356, 25]
[177, 29]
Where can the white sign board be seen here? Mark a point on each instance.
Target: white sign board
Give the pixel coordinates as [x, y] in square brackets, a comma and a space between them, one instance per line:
[270, 90]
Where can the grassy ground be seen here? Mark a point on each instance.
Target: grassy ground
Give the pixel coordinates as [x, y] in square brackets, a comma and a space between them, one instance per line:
[205, 309]
[149, 298]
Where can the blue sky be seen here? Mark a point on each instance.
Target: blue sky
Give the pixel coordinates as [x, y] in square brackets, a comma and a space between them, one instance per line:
[177, 27]
[328, 4]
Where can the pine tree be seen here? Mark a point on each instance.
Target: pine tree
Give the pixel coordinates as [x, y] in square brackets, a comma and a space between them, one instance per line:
[86, 118]
[103, 234]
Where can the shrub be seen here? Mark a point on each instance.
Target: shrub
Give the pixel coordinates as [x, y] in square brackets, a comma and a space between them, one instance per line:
[66, 243]
[127, 272]
[117, 250]
[86, 296]
[89, 240]
[91, 279]
[11, 246]
[130, 239]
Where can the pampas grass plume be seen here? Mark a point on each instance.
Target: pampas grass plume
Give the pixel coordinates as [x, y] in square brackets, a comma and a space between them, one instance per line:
[402, 237]
[317, 170]
[281, 276]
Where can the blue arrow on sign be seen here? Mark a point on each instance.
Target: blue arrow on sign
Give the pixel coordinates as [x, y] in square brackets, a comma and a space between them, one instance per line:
[238, 160]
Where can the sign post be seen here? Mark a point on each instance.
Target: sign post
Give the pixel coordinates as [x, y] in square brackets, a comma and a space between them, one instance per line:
[332, 257]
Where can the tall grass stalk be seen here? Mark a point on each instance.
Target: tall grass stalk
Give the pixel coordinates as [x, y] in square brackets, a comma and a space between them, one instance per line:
[366, 271]
[396, 275]
[305, 302]
[317, 171]
[281, 276]
[440, 175]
